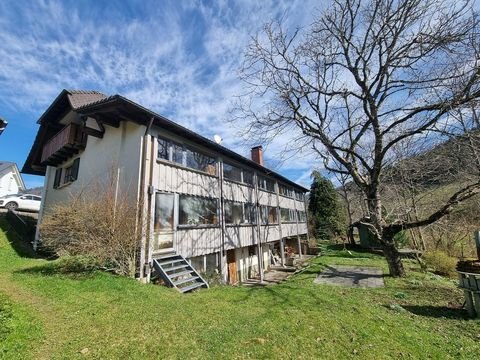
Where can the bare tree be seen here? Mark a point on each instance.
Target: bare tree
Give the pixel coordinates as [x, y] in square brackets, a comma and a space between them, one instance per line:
[363, 78]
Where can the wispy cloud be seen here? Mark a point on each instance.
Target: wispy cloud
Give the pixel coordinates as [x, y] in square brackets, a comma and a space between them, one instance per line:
[180, 59]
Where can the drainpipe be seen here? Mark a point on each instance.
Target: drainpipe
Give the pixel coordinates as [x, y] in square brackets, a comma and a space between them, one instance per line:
[298, 236]
[259, 239]
[223, 254]
[144, 265]
[282, 245]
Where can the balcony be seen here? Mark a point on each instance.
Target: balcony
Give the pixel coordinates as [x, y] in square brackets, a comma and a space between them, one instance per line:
[69, 141]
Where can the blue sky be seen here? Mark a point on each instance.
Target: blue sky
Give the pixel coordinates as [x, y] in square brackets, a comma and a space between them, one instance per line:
[180, 59]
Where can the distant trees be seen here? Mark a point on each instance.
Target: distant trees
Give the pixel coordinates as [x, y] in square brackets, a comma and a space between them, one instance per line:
[366, 77]
[326, 213]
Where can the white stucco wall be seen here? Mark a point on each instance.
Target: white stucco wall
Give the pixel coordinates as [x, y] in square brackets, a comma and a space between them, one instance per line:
[118, 152]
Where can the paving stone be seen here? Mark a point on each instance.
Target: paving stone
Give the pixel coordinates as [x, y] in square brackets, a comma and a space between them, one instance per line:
[351, 276]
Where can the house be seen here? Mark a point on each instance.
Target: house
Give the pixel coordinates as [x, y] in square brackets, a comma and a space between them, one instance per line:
[220, 210]
[11, 181]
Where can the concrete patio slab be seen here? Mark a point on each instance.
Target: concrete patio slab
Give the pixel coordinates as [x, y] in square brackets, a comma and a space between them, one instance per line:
[351, 276]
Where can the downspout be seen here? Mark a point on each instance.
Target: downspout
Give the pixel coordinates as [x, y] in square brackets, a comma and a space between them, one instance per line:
[223, 254]
[298, 236]
[259, 241]
[144, 266]
[282, 245]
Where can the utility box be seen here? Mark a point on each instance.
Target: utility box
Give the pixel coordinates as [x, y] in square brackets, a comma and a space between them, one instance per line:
[367, 239]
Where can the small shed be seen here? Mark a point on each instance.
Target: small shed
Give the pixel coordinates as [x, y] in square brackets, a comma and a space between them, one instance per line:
[367, 239]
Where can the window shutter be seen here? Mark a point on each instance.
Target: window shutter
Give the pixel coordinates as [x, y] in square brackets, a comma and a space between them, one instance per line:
[58, 176]
[75, 166]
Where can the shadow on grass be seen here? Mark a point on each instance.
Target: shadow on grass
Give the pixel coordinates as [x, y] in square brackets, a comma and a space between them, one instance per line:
[443, 312]
[20, 246]
[71, 267]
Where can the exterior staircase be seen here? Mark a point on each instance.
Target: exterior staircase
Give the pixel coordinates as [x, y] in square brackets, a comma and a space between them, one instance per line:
[177, 272]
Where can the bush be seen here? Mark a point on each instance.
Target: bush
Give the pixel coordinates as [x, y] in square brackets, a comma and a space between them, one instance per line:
[440, 263]
[102, 228]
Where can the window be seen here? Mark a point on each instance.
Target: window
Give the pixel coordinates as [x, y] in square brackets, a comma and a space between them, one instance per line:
[198, 161]
[231, 172]
[301, 216]
[239, 213]
[185, 156]
[233, 212]
[66, 175]
[268, 215]
[287, 215]
[299, 196]
[164, 208]
[195, 211]
[163, 149]
[58, 178]
[177, 153]
[249, 215]
[247, 177]
[269, 185]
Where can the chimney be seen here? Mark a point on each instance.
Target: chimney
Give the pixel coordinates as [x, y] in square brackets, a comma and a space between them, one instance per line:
[257, 154]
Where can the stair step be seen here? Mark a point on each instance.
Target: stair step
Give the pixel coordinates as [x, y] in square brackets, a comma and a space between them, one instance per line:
[166, 256]
[169, 262]
[183, 266]
[183, 281]
[191, 287]
[178, 274]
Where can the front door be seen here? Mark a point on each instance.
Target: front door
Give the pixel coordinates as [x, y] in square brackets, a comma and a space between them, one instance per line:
[232, 267]
[164, 226]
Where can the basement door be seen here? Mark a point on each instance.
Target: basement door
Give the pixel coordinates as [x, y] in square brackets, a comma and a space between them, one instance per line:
[164, 225]
[232, 267]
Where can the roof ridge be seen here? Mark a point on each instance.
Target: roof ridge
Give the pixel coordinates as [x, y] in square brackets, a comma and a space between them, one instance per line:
[80, 91]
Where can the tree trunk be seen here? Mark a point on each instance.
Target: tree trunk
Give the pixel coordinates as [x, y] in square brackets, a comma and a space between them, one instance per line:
[393, 259]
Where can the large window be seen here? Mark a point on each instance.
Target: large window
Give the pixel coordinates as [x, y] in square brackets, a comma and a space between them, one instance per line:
[185, 156]
[299, 196]
[268, 215]
[287, 215]
[199, 161]
[266, 184]
[285, 190]
[239, 213]
[233, 173]
[301, 216]
[194, 210]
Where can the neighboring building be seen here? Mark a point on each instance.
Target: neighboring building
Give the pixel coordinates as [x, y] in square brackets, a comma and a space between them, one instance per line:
[209, 204]
[3, 125]
[11, 181]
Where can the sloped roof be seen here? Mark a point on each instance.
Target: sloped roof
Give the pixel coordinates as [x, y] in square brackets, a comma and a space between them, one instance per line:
[133, 112]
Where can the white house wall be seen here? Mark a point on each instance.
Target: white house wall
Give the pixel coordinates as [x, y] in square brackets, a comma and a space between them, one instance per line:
[198, 241]
[240, 236]
[117, 152]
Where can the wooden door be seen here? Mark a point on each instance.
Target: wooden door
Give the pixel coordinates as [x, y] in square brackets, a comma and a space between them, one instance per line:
[232, 267]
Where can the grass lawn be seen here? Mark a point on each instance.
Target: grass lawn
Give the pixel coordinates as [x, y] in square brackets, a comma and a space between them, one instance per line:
[45, 313]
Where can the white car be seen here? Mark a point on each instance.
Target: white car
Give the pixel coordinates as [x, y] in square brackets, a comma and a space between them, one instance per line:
[21, 202]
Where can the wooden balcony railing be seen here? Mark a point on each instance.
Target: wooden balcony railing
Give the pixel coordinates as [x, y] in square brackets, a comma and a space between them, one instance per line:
[63, 145]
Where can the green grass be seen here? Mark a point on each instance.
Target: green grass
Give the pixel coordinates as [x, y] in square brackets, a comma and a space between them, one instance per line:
[54, 314]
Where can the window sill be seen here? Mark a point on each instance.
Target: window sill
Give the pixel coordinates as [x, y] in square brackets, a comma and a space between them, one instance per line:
[267, 191]
[237, 182]
[203, 226]
[180, 166]
[240, 225]
[63, 185]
